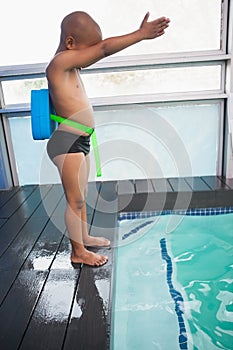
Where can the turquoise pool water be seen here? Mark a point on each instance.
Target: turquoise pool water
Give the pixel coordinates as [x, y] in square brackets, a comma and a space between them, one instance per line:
[174, 290]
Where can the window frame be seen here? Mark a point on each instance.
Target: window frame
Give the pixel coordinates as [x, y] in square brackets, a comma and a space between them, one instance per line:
[118, 63]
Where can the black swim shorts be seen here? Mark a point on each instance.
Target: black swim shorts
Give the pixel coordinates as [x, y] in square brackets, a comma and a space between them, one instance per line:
[63, 142]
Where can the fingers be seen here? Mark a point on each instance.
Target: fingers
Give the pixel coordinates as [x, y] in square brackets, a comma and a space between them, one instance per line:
[162, 21]
[161, 24]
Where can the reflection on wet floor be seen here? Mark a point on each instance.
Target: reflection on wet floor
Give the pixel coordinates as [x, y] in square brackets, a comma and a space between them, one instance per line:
[90, 314]
[46, 303]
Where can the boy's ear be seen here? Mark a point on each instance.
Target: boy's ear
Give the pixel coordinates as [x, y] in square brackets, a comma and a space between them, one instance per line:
[70, 42]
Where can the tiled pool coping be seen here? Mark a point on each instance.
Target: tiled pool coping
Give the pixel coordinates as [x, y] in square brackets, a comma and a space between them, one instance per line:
[190, 212]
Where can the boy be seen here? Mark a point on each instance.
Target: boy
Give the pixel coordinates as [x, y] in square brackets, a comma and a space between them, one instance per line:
[81, 45]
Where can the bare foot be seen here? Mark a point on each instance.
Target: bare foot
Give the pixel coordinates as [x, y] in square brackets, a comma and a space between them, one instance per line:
[89, 258]
[91, 241]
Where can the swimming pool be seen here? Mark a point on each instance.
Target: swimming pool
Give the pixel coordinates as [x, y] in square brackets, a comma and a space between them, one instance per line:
[174, 288]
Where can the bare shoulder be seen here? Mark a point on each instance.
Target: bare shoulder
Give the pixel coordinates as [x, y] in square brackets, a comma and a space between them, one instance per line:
[57, 63]
[80, 58]
[56, 71]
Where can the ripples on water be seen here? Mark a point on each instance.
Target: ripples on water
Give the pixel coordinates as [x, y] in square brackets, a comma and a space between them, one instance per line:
[201, 252]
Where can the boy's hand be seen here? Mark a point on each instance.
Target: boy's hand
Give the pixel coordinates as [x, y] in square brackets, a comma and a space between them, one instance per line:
[153, 29]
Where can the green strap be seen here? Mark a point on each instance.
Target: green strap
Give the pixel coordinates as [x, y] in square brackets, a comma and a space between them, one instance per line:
[86, 129]
[96, 154]
[72, 123]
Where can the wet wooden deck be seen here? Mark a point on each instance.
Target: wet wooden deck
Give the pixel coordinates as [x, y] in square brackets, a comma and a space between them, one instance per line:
[44, 302]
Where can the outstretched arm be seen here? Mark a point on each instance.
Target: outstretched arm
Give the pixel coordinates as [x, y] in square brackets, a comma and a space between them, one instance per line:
[87, 56]
[147, 30]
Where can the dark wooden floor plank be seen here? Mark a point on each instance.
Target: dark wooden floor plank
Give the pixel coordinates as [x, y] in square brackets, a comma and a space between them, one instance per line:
[21, 246]
[62, 259]
[182, 193]
[44, 251]
[88, 327]
[228, 182]
[179, 185]
[10, 230]
[161, 185]
[48, 323]
[49, 201]
[197, 184]
[17, 308]
[108, 192]
[7, 279]
[40, 258]
[6, 195]
[125, 192]
[16, 201]
[16, 254]
[144, 186]
[34, 201]
[215, 183]
[17, 220]
[126, 187]
[15, 224]
[2, 222]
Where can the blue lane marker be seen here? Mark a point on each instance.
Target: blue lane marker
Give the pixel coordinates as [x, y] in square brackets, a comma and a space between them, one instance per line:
[176, 296]
[136, 229]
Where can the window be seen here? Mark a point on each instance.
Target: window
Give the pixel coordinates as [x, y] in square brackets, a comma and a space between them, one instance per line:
[136, 142]
[34, 26]
[178, 81]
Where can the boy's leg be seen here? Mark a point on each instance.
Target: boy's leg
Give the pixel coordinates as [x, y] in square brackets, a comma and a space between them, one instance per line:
[90, 241]
[73, 172]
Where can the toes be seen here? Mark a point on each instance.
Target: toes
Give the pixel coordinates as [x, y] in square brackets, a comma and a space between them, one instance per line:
[102, 260]
[90, 259]
[97, 242]
[107, 242]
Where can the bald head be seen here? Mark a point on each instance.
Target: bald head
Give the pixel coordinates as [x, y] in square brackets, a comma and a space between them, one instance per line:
[80, 26]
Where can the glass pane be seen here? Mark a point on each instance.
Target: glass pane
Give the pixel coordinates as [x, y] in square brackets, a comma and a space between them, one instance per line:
[33, 164]
[151, 81]
[195, 25]
[19, 91]
[34, 27]
[171, 140]
[154, 81]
